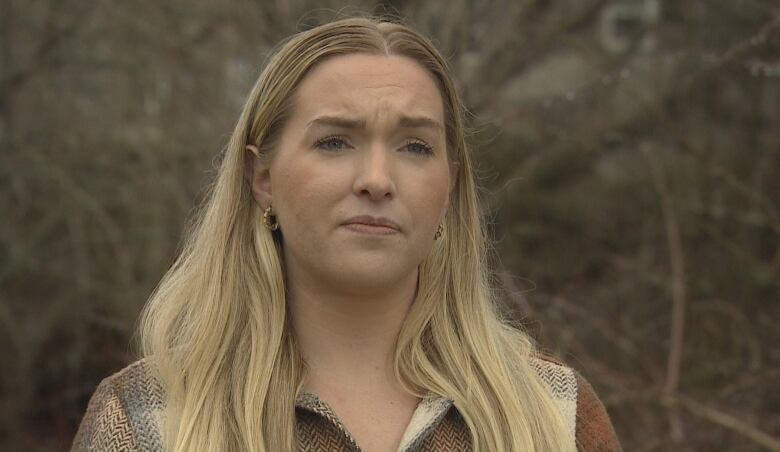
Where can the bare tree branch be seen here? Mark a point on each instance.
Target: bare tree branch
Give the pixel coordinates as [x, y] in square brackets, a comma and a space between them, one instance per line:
[677, 264]
[725, 420]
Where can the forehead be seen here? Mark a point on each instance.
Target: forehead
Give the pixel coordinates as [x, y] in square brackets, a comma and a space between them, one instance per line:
[369, 85]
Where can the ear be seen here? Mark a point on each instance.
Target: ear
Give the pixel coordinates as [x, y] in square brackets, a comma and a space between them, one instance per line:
[258, 176]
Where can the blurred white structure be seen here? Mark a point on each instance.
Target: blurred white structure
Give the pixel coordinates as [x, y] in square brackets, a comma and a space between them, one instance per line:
[624, 25]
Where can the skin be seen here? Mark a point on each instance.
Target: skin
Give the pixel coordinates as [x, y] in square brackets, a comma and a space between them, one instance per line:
[365, 138]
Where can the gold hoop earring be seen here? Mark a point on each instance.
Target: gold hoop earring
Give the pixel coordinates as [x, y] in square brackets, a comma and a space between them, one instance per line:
[269, 219]
[439, 231]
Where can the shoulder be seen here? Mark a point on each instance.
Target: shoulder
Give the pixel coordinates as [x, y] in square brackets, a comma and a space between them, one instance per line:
[594, 428]
[124, 412]
[587, 417]
[138, 385]
[560, 379]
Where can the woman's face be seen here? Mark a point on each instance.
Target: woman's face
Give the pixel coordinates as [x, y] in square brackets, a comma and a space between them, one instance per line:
[360, 177]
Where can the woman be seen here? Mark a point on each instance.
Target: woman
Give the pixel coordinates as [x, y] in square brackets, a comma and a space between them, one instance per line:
[333, 294]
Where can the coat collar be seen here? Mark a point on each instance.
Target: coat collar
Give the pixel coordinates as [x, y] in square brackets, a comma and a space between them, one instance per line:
[429, 412]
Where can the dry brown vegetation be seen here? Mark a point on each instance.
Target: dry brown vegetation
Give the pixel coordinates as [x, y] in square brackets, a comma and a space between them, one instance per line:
[629, 150]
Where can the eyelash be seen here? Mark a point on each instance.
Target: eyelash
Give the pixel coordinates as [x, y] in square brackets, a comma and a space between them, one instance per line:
[331, 139]
[427, 150]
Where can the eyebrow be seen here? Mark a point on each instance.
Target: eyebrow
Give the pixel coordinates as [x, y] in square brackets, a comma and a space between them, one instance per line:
[337, 121]
[419, 122]
[410, 122]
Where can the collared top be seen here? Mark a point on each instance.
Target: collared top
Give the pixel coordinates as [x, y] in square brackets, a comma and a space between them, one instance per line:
[126, 413]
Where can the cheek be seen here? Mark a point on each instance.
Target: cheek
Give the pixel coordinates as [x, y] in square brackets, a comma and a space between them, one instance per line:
[300, 194]
[433, 196]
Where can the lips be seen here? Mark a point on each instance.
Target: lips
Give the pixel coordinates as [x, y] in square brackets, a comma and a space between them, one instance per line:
[367, 222]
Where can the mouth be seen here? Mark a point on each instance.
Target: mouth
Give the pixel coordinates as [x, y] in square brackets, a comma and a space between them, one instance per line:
[366, 224]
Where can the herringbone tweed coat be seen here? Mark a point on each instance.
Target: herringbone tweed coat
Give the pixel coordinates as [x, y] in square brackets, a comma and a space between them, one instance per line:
[125, 413]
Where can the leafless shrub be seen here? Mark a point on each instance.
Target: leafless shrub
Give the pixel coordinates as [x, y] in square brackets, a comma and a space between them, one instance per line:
[628, 149]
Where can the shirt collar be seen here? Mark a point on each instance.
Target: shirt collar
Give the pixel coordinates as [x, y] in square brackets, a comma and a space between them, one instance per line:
[429, 412]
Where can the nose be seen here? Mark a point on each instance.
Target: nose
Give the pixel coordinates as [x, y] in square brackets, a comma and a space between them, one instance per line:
[374, 174]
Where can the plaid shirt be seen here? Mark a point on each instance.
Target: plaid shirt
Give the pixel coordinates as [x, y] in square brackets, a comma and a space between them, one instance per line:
[125, 413]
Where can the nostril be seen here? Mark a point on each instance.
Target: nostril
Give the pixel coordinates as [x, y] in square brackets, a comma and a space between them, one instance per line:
[376, 189]
[374, 176]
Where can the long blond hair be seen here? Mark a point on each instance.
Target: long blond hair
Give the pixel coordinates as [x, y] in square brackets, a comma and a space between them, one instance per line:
[217, 326]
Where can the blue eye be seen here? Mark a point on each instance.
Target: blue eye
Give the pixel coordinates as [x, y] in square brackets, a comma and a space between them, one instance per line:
[419, 147]
[333, 144]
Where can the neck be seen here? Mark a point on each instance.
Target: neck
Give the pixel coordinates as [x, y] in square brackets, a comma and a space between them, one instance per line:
[348, 336]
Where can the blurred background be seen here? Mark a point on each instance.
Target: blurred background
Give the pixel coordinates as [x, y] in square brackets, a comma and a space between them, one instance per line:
[628, 150]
